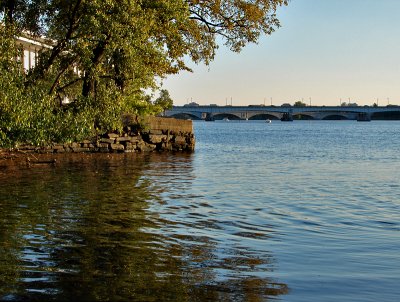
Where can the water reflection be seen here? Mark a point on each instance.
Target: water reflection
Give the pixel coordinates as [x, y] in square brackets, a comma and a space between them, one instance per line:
[118, 227]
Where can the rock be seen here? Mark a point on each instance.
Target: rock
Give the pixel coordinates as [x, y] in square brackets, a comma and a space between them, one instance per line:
[145, 147]
[103, 145]
[123, 139]
[117, 147]
[27, 147]
[42, 151]
[180, 140]
[79, 149]
[134, 139]
[112, 135]
[129, 146]
[58, 147]
[107, 140]
[157, 138]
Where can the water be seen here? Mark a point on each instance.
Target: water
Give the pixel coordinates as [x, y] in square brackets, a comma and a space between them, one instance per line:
[302, 211]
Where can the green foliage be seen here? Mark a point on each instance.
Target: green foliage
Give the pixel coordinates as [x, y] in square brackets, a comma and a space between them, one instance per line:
[105, 56]
[163, 102]
[238, 22]
[299, 104]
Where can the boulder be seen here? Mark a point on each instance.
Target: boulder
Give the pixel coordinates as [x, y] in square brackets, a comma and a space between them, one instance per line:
[117, 147]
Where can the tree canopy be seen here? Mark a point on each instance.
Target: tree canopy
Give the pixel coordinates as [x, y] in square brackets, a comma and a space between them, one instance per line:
[107, 55]
[299, 104]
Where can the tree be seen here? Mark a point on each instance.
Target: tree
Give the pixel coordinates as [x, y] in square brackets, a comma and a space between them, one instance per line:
[164, 101]
[299, 104]
[106, 55]
[238, 22]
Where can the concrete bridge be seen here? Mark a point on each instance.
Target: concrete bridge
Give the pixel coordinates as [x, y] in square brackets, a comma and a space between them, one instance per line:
[273, 112]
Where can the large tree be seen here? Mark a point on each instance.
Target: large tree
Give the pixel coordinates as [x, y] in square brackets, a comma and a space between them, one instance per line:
[106, 53]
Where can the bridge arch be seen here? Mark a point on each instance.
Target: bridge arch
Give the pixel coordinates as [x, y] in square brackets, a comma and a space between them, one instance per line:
[185, 116]
[263, 116]
[386, 115]
[335, 117]
[230, 116]
[303, 116]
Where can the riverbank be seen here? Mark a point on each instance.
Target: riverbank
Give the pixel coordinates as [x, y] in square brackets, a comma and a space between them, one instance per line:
[158, 134]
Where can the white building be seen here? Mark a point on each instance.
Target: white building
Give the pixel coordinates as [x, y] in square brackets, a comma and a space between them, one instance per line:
[31, 48]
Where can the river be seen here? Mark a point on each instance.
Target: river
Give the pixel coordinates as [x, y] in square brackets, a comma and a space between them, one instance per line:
[287, 211]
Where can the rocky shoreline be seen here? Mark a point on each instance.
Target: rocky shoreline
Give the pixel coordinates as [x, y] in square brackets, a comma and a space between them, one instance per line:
[161, 134]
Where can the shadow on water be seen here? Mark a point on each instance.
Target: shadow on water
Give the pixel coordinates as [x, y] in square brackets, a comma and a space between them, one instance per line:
[86, 228]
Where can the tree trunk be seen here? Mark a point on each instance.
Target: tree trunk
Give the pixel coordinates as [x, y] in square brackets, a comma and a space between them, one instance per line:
[10, 7]
[89, 80]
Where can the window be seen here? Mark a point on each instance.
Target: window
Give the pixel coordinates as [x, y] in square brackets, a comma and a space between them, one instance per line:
[26, 59]
[32, 59]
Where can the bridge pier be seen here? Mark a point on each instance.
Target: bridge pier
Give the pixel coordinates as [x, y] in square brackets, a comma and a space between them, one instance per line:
[363, 117]
[209, 117]
[287, 116]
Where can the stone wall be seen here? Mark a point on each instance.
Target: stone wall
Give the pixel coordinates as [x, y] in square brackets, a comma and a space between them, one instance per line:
[171, 124]
[159, 134]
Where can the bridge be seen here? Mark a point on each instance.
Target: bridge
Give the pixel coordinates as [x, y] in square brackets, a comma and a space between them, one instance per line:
[255, 112]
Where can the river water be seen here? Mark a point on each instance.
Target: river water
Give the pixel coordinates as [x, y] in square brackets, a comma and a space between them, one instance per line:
[300, 211]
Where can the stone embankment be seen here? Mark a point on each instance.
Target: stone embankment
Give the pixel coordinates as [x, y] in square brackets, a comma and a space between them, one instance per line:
[159, 134]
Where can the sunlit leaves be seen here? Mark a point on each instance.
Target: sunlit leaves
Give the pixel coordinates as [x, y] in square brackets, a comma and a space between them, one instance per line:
[237, 21]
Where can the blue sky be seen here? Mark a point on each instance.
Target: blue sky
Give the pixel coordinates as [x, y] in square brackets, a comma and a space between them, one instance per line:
[326, 51]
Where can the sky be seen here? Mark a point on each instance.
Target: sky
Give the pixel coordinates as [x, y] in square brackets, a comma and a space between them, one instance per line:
[325, 53]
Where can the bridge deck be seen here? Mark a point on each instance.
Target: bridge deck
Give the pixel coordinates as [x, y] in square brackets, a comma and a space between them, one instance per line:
[313, 112]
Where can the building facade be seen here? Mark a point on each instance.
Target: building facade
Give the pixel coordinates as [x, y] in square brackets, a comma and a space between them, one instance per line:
[31, 47]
